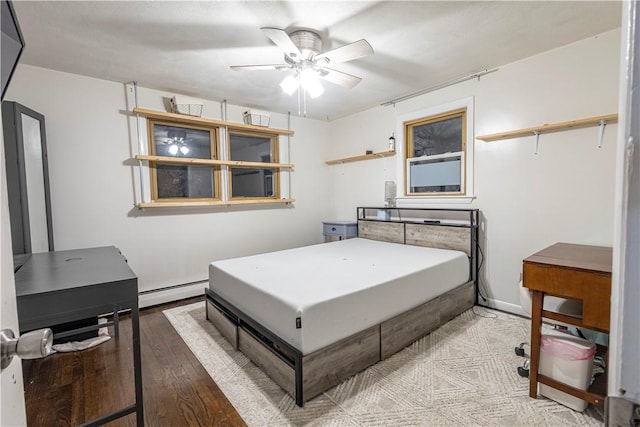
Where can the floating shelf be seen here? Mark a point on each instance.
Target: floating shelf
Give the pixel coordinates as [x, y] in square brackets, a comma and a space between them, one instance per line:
[209, 162]
[361, 157]
[548, 128]
[212, 203]
[152, 114]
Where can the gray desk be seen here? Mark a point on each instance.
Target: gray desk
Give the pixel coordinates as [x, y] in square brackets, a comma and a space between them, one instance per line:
[66, 286]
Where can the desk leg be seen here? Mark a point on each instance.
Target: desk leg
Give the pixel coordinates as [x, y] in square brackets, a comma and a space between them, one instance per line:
[137, 364]
[536, 324]
[116, 320]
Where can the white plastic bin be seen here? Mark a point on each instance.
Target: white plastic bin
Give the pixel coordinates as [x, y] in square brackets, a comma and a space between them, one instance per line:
[567, 359]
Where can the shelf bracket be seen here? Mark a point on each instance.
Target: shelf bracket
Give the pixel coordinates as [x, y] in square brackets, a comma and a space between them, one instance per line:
[536, 133]
[601, 124]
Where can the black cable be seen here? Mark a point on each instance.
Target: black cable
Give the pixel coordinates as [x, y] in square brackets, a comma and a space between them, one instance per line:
[492, 315]
[480, 264]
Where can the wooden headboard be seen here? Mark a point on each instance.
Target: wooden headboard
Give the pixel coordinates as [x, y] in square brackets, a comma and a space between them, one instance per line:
[455, 229]
[430, 235]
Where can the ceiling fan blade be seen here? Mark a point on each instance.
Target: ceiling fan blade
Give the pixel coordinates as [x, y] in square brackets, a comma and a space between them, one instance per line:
[338, 77]
[260, 67]
[283, 41]
[348, 52]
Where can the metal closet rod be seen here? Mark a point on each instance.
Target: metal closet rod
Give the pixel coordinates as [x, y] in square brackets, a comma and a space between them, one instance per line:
[475, 75]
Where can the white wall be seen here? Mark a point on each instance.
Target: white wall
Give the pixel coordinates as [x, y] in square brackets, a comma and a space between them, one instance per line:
[94, 185]
[564, 193]
[527, 201]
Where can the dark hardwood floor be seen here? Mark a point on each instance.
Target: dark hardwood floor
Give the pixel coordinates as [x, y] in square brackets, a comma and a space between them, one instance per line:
[67, 389]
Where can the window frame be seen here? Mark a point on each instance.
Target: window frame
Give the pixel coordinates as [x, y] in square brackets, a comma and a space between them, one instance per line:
[437, 113]
[409, 149]
[275, 156]
[214, 143]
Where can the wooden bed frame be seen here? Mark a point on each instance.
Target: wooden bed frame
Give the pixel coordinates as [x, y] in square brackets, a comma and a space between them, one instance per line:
[306, 376]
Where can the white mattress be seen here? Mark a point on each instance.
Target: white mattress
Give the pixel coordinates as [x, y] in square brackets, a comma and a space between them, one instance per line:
[337, 288]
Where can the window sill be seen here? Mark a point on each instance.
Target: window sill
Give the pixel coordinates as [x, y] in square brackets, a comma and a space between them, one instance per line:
[432, 200]
[212, 203]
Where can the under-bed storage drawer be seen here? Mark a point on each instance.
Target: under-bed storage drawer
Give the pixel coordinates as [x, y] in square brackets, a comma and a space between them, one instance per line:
[400, 331]
[223, 324]
[322, 369]
[276, 368]
[333, 364]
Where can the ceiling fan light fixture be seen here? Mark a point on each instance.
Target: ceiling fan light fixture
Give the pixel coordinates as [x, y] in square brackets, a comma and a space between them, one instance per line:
[304, 57]
[310, 82]
[289, 85]
[173, 149]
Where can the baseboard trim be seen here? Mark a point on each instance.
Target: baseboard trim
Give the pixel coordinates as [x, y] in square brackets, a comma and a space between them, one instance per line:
[173, 293]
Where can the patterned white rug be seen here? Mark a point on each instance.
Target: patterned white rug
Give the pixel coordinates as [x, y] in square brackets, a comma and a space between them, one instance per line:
[464, 374]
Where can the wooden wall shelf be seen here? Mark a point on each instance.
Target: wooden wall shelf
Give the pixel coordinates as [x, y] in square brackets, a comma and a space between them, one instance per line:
[210, 162]
[181, 118]
[212, 203]
[548, 128]
[377, 155]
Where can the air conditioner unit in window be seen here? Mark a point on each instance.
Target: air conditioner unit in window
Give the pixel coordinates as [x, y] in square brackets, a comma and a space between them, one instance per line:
[436, 174]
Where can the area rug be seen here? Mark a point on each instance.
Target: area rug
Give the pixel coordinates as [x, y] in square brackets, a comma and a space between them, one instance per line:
[462, 374]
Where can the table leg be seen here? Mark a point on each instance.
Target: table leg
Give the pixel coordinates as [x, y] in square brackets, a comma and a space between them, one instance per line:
[116, 319]
[137, 364]
[536, 324]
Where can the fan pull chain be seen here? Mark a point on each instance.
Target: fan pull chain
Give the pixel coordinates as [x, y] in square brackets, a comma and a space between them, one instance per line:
[304, 102]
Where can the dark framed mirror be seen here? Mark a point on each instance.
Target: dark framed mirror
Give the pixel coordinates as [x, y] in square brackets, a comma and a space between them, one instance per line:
[27, 171]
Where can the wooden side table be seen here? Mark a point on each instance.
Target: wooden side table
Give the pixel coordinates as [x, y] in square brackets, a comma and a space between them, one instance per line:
[570, 271]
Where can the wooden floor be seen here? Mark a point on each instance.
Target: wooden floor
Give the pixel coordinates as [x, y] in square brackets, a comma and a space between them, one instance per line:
[67, 389]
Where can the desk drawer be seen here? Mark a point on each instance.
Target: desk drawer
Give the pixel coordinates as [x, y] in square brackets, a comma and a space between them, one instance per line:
[592, 288]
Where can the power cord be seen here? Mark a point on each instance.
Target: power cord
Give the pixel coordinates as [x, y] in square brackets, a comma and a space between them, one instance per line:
[486, 314]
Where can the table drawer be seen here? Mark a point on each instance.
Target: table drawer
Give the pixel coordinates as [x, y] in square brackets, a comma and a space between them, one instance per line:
[336, 229]
[592, 288]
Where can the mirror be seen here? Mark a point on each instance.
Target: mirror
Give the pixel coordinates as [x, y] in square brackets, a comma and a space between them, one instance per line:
[27, 181]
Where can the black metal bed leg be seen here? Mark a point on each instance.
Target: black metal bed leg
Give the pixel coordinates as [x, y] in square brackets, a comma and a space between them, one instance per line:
[298, 375]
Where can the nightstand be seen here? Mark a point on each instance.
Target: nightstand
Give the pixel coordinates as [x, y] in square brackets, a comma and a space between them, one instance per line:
[341, 229]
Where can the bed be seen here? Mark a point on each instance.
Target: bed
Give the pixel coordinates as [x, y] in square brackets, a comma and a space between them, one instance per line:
[313, 316]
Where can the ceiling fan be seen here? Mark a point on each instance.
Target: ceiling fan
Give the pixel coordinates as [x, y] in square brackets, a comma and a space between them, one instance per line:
[303, 54]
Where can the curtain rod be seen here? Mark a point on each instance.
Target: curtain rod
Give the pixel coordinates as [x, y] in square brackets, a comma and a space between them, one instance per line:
[456, 80]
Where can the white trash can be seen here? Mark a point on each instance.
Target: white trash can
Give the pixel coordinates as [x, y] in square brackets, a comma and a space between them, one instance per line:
[567, 359]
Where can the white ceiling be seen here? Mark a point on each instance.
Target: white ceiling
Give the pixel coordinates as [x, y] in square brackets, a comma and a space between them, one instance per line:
[187, 47]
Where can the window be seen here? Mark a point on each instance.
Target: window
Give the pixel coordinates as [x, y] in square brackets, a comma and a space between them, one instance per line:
[255, 181]
[436, 154]
[203, 162]
[171, 181]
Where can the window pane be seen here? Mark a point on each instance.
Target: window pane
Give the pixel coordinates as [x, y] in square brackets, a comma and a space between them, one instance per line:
[174, 141]
[437, 175]
[444, 136]
[185, 181]
[248, 182]
[250, 148]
